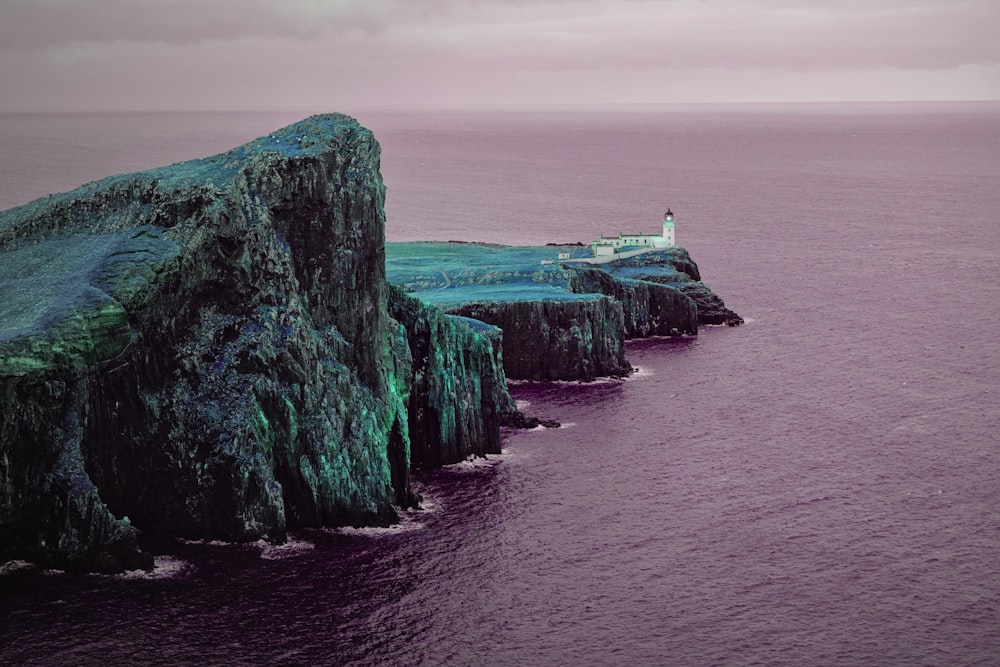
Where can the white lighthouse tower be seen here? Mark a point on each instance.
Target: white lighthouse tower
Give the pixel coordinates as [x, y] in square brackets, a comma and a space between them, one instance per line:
[668, 228]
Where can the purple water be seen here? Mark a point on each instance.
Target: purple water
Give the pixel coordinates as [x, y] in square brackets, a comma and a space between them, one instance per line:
[817, 487]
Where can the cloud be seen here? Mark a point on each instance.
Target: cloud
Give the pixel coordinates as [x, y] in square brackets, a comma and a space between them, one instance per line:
[546, 33]
[38, 24]
[687, 32]
[204, 52]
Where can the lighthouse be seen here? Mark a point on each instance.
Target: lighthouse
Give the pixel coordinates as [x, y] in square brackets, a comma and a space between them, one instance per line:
[668, 228]
[633, 243]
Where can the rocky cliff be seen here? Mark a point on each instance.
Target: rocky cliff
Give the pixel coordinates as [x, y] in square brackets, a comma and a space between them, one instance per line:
[562, 317]
[580, 339]
[675, 268]
[206, 350]
[457, 388]
[648, 308]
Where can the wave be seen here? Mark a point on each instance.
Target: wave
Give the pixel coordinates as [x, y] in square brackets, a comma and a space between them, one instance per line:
[164, 567]
[293, 547]
[409, 520]
[602, 380]
[641, 372]
[208, 543]
[479, 462]
[404, 526]
[430, 502]
[12, 566]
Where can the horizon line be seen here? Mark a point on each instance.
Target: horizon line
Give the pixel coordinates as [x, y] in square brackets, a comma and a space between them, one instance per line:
[561, 106]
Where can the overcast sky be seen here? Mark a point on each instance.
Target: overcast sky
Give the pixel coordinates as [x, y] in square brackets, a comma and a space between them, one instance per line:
[269, 54]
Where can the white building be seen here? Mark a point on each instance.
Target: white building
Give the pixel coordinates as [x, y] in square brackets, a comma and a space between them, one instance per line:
[609, 245]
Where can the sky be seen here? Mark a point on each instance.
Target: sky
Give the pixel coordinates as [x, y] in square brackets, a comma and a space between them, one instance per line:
[70, 55]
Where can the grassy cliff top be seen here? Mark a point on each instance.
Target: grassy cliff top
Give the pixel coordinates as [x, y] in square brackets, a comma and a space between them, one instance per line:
[451, 274]
[72, 264]
[127, 200]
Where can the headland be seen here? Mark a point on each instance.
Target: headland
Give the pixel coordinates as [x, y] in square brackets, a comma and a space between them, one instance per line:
[214, 349]
[564, 312]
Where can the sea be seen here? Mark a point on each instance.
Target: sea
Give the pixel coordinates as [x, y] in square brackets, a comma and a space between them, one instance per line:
[820, 486]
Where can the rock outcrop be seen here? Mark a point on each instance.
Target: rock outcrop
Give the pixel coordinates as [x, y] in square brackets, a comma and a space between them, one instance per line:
[206, 350]
[711, 308]
[681, 274]
[579, 339]
[675, 258]
[562, 317]
[458, 394]
[211, 350]
[648, 309]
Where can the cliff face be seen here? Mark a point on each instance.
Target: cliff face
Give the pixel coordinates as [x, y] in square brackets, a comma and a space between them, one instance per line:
[206, 350]
[562, 317]
[458, 390]
[675, 268]
[648, 309]
[711, 308]
[579, 339]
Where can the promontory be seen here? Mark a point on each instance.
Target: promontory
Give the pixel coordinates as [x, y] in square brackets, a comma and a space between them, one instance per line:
[212, 350]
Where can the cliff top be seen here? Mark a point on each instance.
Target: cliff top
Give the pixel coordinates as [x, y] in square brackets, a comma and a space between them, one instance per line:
[129, 200]
[72, 265]
[454, 274]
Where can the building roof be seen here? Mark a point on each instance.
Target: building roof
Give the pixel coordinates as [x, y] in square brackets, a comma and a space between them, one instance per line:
[623, 235]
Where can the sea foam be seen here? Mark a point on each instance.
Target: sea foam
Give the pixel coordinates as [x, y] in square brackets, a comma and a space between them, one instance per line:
[164, 567]
[293, 547]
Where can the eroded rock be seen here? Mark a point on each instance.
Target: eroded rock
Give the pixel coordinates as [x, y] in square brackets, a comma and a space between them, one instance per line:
[206, 350]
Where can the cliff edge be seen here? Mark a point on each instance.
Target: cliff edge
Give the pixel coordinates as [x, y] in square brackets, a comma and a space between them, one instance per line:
[562, 317]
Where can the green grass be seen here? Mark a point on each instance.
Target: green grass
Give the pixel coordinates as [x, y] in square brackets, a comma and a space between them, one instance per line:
[451, 274]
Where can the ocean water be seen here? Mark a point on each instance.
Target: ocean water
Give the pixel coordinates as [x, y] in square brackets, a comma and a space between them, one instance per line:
[818, 487]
